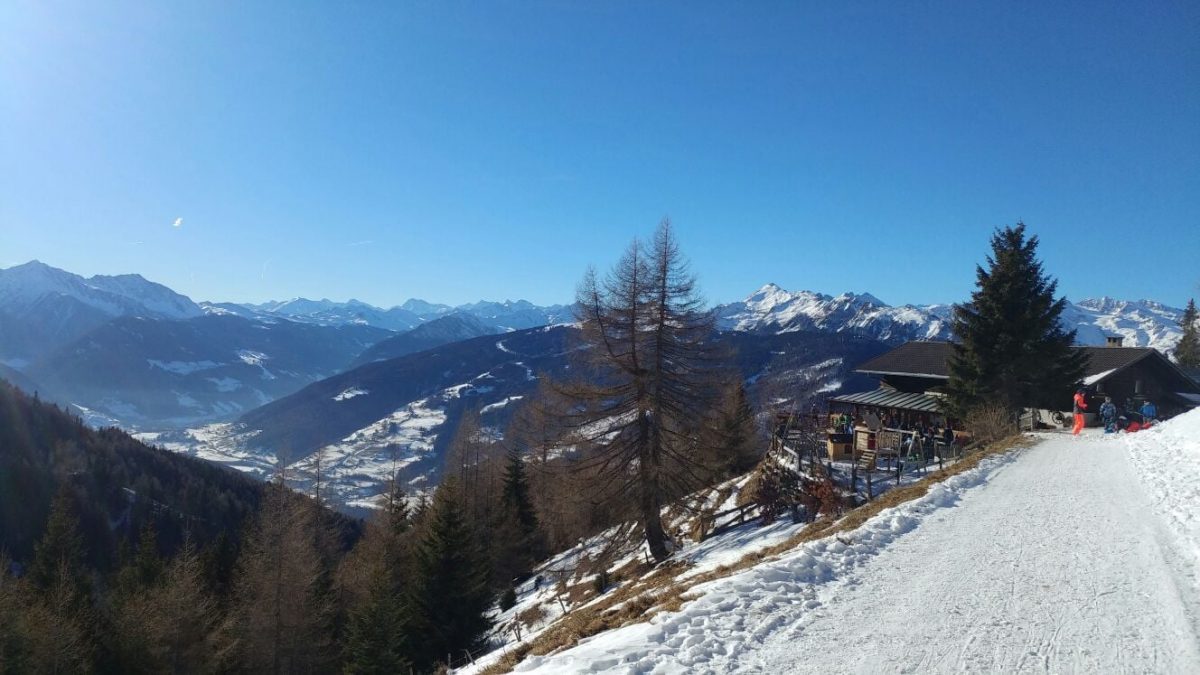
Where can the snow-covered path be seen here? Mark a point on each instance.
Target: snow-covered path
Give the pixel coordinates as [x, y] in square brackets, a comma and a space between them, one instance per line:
[1058, 562]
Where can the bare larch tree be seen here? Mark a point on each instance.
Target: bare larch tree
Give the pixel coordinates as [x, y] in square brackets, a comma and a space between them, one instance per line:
[649, 379]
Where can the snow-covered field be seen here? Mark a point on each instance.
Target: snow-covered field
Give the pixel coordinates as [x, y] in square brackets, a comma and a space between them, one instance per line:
[1069, 556]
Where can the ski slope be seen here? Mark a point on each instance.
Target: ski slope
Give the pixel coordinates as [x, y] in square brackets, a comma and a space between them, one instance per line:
[1070, 557]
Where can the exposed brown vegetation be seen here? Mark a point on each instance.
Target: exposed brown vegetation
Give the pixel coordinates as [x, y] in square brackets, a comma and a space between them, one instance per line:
[990, 423]
[660, 590]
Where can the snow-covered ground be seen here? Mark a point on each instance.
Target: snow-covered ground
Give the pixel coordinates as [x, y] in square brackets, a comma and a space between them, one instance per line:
[1074, 555]
[1167, 458]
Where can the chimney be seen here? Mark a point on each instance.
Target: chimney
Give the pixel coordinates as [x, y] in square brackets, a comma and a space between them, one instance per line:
[1113, 341]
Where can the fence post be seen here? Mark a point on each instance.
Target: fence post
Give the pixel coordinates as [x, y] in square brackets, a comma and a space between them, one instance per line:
[853, 475]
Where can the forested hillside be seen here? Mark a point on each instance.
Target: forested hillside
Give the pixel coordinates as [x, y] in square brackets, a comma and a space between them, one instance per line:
[114, 483]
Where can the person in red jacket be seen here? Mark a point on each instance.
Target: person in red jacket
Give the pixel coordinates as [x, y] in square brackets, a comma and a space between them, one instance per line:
[1080, 406]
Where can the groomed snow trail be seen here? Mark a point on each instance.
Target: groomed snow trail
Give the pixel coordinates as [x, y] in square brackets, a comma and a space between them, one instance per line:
[1055, 562]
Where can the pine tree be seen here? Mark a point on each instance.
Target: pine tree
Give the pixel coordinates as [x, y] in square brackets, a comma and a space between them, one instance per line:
[515, 496]
[1187, 352]
[377, 636]
[516, 543]
[1012, 349]
[647, 336]
[449, 596]
[146, 566]
[377, 639]
[734, 440]
[60, 550]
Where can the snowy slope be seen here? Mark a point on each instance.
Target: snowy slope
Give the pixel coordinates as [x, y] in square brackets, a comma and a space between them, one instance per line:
[408, 407]
[1004, 568]
[1167, 459]
[357, 468]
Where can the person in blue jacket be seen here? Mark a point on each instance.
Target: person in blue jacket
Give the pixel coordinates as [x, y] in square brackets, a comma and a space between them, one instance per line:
[1149, 413]
[1108, 413]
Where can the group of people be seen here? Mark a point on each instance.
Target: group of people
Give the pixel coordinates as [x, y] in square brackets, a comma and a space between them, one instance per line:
[1113, 420]
[927, 436]
[920, 429]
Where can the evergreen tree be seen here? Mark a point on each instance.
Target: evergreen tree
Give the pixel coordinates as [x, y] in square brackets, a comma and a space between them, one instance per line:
[377, 640]
[449, 596]
[515, 497]
[146, 566]
[735, 445]
[516, 543]
[1187, 352]
[377, 637]
[1012, 349]
[59, 553]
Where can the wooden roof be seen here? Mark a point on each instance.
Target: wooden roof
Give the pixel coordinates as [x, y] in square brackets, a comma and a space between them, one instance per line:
[921, 359]
[931, 359]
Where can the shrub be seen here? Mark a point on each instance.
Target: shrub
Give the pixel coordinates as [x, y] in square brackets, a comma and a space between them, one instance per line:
[600, 582]
[508, 599]
[990, 422]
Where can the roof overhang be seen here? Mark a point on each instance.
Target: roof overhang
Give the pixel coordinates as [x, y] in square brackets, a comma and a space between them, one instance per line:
[890, 398]
[1188, 398]
[884, 372]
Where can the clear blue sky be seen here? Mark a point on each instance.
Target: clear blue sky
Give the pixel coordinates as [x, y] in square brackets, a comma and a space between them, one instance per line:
[457, 151]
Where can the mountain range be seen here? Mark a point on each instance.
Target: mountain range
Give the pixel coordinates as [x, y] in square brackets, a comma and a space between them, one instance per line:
[273, 384]
[497, 316]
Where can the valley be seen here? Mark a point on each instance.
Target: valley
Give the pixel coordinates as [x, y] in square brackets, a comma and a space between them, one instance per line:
[368, 394]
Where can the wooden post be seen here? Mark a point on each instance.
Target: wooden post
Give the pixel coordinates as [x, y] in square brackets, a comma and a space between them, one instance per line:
[870, 494]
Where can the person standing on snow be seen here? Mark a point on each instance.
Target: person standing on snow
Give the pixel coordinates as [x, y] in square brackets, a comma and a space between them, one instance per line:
[1149, 413]
[1108, 413]
[1080, 406]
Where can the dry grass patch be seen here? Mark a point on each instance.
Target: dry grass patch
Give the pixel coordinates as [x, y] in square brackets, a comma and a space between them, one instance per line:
[661, 590]
[532, 616]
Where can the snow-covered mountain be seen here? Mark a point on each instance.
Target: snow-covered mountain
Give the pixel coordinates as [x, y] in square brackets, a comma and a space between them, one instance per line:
[771, 309]
[1142, 323]
[24, 286]
[327, 312]
[499, 316]
[46, 307]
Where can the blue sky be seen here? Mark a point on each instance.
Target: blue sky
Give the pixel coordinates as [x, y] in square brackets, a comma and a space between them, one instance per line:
[457, 151]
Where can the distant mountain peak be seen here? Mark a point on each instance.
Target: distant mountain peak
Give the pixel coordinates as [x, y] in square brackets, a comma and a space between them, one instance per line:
[773, 309]
[23, 286]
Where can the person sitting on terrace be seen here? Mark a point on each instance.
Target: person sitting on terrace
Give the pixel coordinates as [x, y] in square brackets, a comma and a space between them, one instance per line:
[948, 435]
